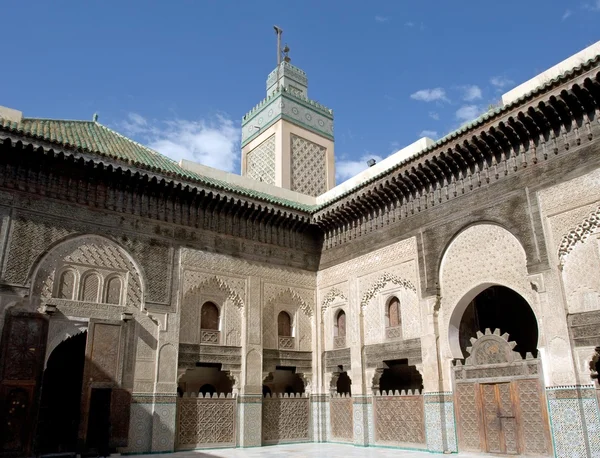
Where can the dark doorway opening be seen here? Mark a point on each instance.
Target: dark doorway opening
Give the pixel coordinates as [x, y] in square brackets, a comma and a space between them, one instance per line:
[343, 384]
[498, 307]
[284, 380]
[98, 431]
[60, 403]
[400, 376]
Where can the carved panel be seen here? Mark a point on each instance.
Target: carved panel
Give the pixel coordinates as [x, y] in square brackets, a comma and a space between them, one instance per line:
[491, 421]
[533, 419]
[468, 416]
[285, 419]
[103, 352]
[205, 422]
[95, 253]
[260, 162]
[24, 343]
[341, 415]
[399, 420]
[309, 166]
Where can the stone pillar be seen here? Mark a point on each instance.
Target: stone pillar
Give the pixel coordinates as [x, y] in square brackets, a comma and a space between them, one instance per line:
[440, 424]
[363, 419]
[575, 420]
[318, 417]
[249, 419]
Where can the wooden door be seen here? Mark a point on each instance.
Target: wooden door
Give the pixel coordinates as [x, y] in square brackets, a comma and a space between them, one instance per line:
[499, 419]
[21, 365]
[103, 369]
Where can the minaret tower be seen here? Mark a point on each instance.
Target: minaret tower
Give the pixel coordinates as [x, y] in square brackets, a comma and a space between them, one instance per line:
[287, 139]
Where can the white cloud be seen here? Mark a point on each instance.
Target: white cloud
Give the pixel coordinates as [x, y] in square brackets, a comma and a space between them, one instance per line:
[214, 142]
[566, 15]
[409, 24]
[434, 115]
[345, 169]
[430, 95]
[134, 124]
[471, 92]
[501, 81]
[382, 18]
[592, 6]
[429, 133]
[468, 112]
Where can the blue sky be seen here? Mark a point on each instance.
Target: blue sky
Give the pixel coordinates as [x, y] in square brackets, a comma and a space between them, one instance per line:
[179, 75]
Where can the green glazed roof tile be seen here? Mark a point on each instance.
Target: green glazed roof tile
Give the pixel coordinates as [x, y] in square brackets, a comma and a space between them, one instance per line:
[93, 137]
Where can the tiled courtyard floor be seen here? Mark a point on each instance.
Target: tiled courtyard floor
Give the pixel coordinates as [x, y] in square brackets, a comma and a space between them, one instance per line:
[306, 450]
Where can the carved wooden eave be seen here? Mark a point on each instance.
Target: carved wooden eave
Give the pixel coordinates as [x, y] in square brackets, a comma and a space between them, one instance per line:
[548, 122]
[177, 195]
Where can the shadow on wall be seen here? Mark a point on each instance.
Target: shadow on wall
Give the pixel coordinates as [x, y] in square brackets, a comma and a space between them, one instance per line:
[76, 404]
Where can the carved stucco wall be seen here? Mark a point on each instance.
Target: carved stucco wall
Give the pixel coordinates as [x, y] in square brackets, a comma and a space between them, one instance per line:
[334, 299]
[260, 163]
[92, 252]
[299, 304]
[570, 213]
[309, 166]
[200, 287]
[483, 255]
[255, 291]
[362, 286]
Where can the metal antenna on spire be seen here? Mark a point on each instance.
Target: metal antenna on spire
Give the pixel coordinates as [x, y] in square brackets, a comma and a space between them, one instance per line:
[279, 32]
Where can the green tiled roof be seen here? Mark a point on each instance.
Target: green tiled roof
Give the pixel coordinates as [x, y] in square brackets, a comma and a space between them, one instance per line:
[93, 137]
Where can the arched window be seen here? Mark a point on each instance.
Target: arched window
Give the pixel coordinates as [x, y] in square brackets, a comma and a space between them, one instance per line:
[209, 316]
[113, 291]
[393, 313]
[89, 287]
[339, 329]
[284, 325]
[66, 285]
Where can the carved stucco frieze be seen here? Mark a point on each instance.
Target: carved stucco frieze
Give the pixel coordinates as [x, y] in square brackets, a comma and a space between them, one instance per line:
[375, 261]
[381, 282]
[578, 234]
[229, 265]
[332, 295]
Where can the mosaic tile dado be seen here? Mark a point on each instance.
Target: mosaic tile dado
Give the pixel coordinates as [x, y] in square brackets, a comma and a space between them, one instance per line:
[575, 421]
[440, 425]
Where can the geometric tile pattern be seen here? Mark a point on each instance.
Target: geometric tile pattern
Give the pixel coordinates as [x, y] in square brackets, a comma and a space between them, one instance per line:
[204, 422]
[285, 419]
[341, 419]
[573, 413]
[250, 421]
[260, 162]
[439, 422]
[309, 166]
[163, 429]
[399, 420]
[140, 429]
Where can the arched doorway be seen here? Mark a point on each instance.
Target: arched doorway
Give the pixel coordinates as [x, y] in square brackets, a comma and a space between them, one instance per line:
[499, 307]
[60, 403]
[498, 384]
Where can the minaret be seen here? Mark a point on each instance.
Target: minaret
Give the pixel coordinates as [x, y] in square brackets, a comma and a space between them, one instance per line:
[287, 139]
